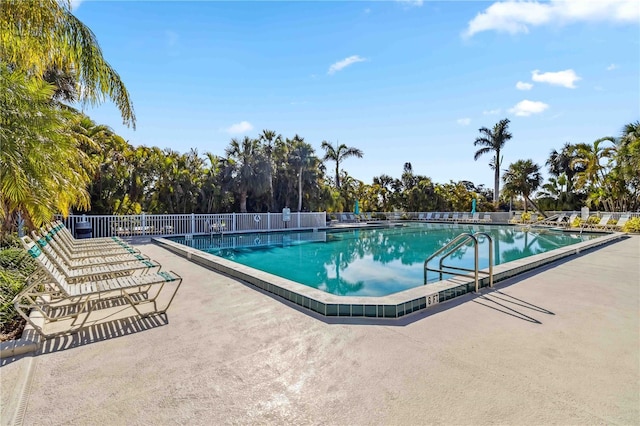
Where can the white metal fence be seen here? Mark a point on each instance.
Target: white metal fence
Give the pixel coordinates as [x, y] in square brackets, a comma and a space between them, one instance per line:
[185, 224]
[194, 224]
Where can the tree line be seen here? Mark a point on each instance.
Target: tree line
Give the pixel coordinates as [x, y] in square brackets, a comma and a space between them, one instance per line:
[56, 160]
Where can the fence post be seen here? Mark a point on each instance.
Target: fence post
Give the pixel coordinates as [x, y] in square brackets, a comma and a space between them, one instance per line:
[298, 219]
[269, 221]
[234, 221]
[193, 223]
[143, 223]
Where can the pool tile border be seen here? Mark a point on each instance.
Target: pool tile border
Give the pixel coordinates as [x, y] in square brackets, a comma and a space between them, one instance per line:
[394, 305]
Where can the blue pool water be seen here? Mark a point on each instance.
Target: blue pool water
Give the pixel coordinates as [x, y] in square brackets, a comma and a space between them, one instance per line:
[374, 262]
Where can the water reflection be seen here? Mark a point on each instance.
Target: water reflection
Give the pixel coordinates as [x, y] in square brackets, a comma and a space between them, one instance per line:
[375, 262]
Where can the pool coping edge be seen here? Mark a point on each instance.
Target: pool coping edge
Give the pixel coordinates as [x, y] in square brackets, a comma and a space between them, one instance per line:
[395, 305]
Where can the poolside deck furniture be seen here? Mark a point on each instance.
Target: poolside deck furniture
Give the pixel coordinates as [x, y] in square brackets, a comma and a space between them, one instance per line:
[555, 220]
[76, 272]
[569, 222]
[445, 216]
[486, 218]
[51, 244]
[58, 228]
[347, 218]
[50, 293]
[601, 225]
[454, 217]
[517, 218]
[622, 220]
[464, 217]
[81, 251]
[475, 218]
[216, 227]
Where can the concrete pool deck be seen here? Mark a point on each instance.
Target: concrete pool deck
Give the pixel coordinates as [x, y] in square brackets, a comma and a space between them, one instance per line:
[560, 345]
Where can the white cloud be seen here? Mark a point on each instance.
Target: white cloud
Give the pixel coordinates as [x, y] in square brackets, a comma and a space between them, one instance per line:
[612, 67]
[565, 78]
[463, 121]
[526, 108]
[75, 4]
[517, 17]
[416, 3]
[521, 85]
[172, 38]
[492, 112]
[345, 63]
[241, 127]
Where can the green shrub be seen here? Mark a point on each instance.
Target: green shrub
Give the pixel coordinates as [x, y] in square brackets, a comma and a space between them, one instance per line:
[15, 266]
[632, 225]
[526, 217]
[593, 220]
[576, 222]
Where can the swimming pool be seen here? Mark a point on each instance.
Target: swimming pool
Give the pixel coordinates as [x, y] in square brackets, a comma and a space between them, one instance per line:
[362, 272]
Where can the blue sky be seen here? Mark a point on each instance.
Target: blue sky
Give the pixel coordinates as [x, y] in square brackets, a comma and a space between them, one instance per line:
[405, 81]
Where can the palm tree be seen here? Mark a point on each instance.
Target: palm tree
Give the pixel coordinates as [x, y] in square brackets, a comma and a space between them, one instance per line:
[628, 162]
[589, 158]
[42, 170]
[302, 159]
[247, 168]
[523, 178]
[493, 140]
[268, 137]
[41, 36]
[630, 133]
[339, 153]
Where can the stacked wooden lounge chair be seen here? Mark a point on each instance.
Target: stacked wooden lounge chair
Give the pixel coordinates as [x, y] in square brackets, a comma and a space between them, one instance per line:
[60, 290]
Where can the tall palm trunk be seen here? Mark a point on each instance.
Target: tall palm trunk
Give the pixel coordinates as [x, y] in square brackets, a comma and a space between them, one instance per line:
[272, 203]
[300, 189]
[496, 187]
[496, 180]
[243, 201]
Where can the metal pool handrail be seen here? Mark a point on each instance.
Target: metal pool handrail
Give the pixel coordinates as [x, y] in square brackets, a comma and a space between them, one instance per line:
[451, 248]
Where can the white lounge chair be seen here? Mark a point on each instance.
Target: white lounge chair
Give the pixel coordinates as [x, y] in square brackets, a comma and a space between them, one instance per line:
[83, 270]
[55, 298]
[620, 223]
[569, 222]
[554, 220]
[76, 250]
[601, 225]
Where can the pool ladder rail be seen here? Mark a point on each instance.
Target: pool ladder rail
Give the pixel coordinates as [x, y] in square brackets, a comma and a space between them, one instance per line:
[452, 247]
